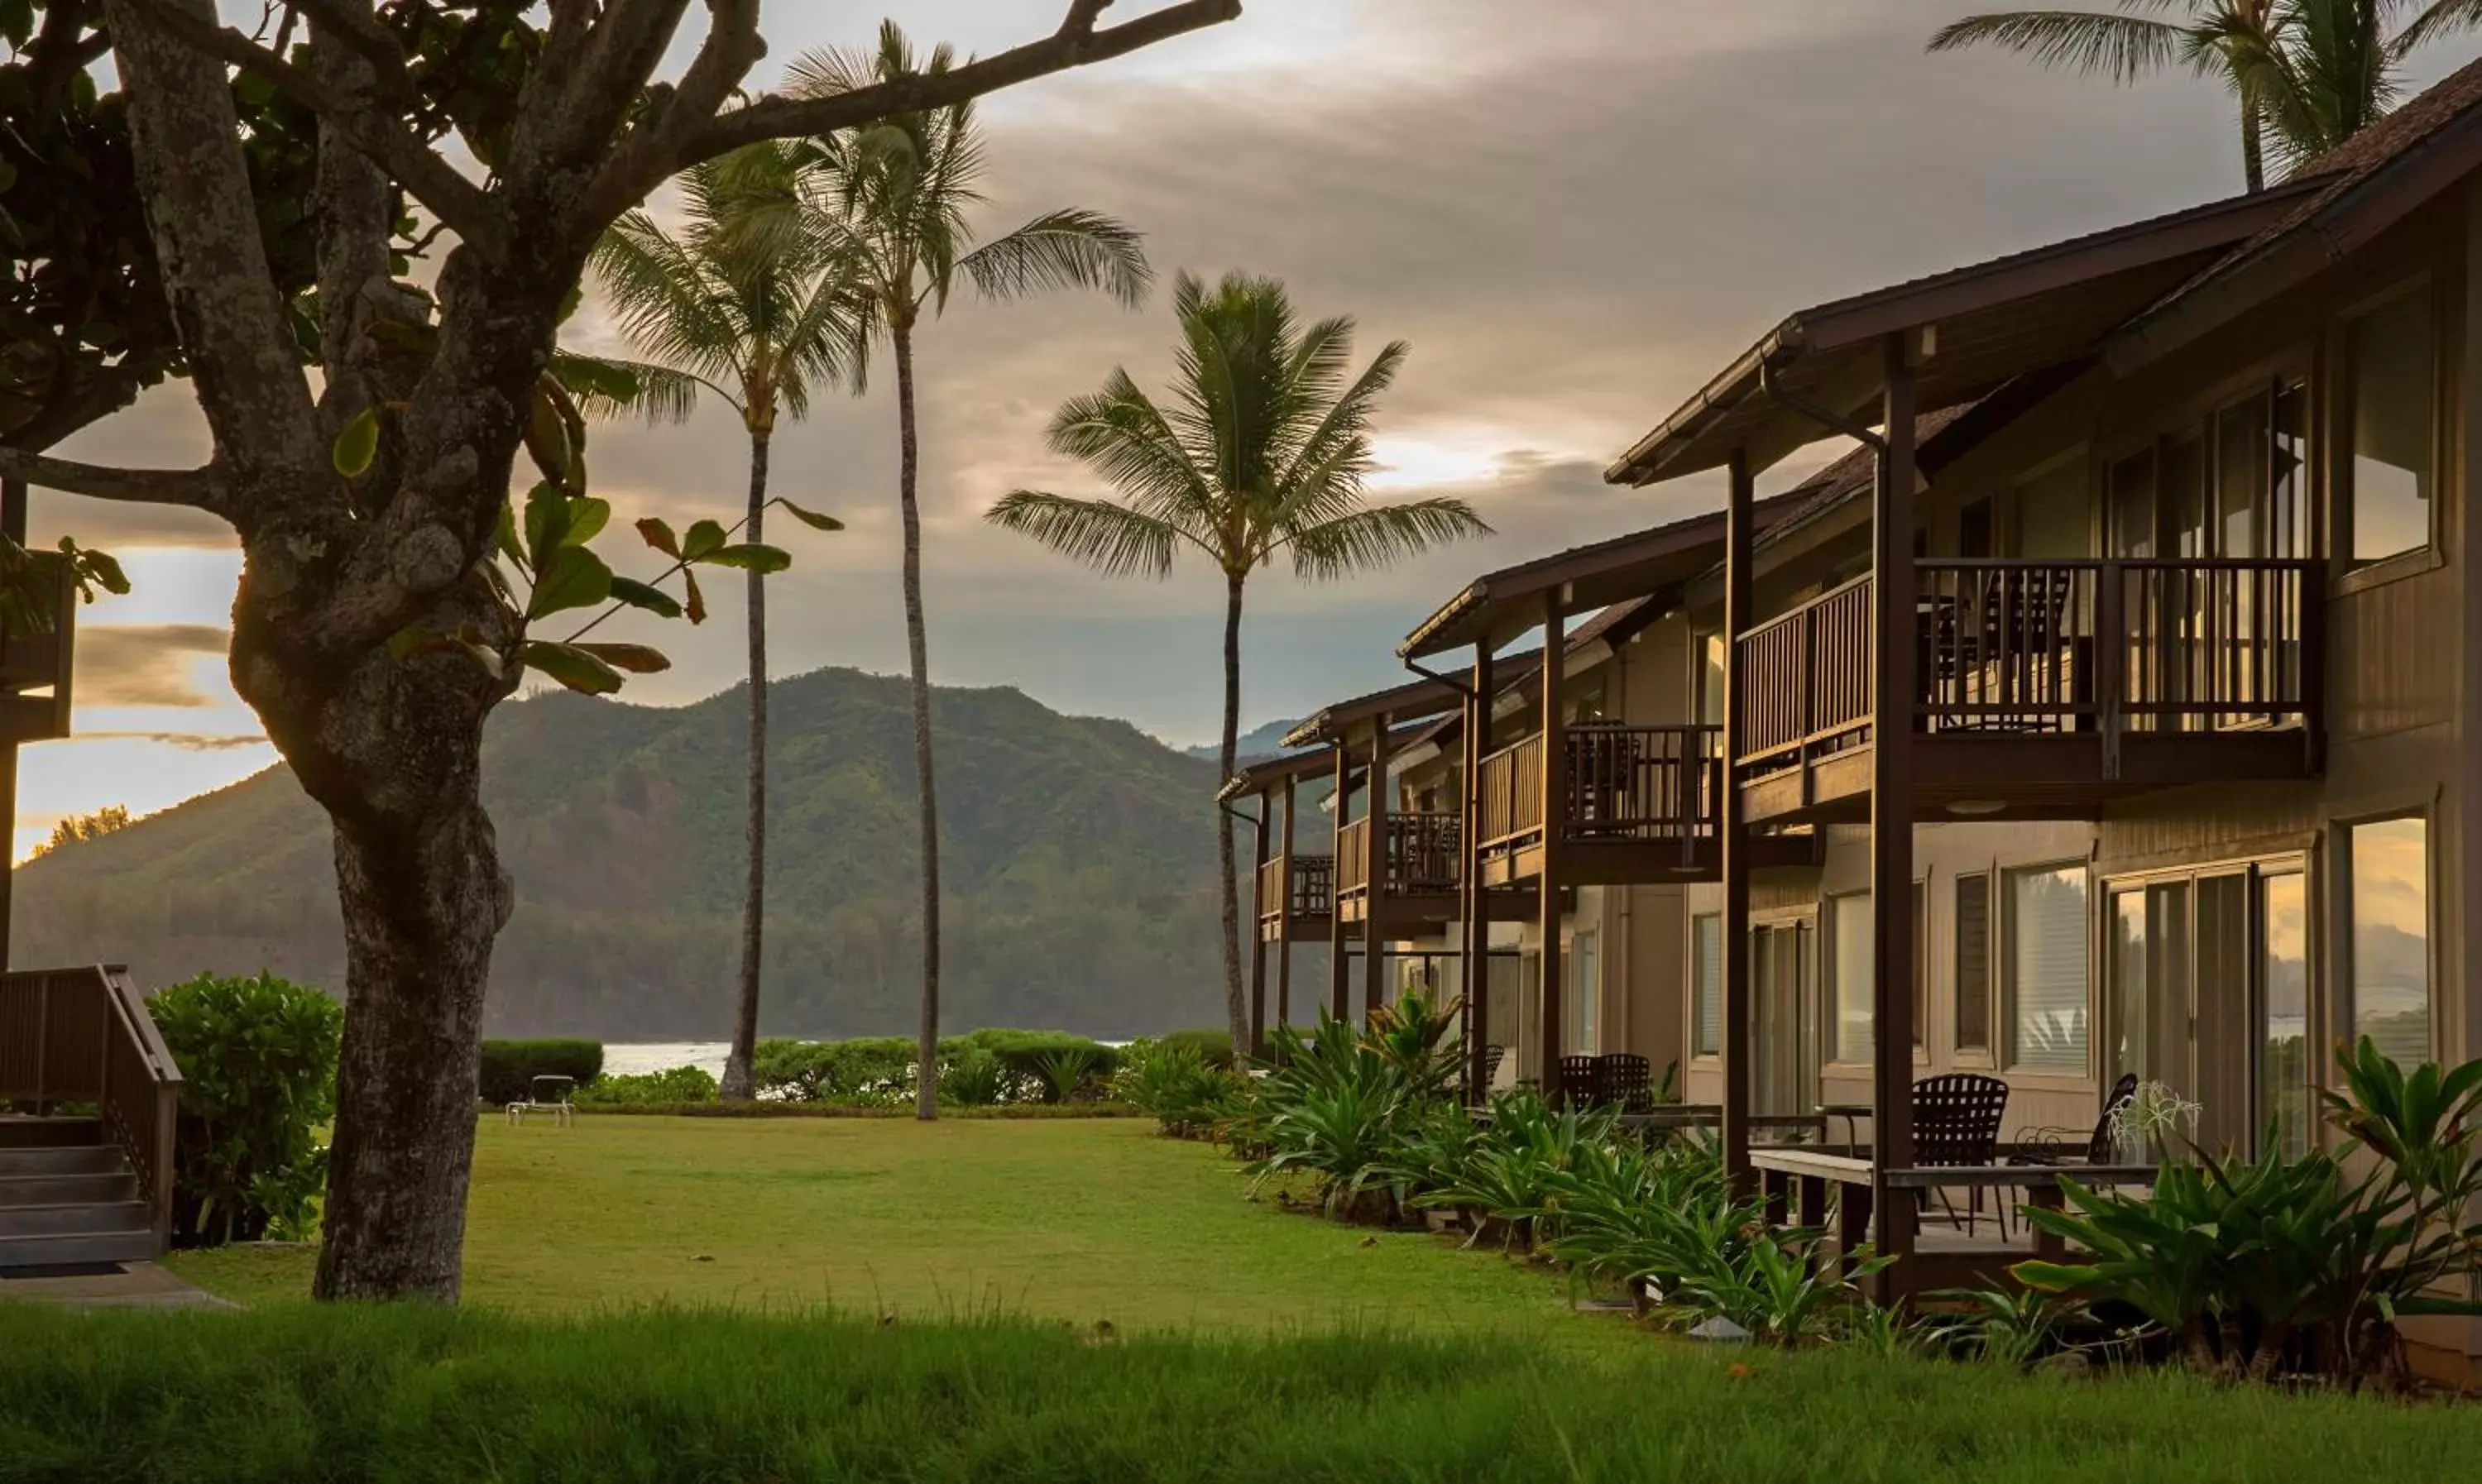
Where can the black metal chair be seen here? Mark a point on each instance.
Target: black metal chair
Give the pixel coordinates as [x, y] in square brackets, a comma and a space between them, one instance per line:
[1491, 1057]
[1572, 1086]
[2046, 1148]
[1956, 1122]
[1625, 1080]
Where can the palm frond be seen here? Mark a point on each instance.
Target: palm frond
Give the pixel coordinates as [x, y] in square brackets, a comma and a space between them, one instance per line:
[2436, 22]
[607, 387]
[1380, 536]
[1072, 248]
[1124, 437]
[2123, 46]
[1110, 538]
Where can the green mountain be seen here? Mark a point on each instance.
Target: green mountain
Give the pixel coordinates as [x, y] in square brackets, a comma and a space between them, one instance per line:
[1079, 857]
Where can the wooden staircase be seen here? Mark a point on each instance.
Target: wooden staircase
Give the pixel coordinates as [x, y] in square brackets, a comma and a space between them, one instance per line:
[87, 1099]
[69, 1197]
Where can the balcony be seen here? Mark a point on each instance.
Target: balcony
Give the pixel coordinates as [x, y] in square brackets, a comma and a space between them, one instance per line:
[1308, 898]
[2043, 689]
[1638, 804]
[1420, 866]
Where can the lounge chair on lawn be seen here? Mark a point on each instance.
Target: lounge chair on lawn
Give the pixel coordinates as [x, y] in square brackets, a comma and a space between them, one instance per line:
[547, 1094]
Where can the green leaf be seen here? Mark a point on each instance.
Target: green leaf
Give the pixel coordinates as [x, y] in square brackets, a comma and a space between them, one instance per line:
[503, 535]
[547, 437]
[641, 594]
[98, 567]
[704, 535]
[574, 578]
[587, 518]
[546, 522]
[810, 518]
[570, 665]
[659, 536]
[751, 556]
[636, 658]
[358, 444]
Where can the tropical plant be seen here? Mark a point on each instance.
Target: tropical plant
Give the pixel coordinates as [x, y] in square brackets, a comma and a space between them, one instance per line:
[258, 1072]
[1505, 1186]
[754, 319]
[2305, 75]
[1171, 1083]
[1412, 1036]
[2248, 1268]
[1431, 1151]
[1263, 454]
[2013, 1327]
[973, 1079]
[1779, 1287]
[1644, 1218]
[893, 200]
[1064, 1072]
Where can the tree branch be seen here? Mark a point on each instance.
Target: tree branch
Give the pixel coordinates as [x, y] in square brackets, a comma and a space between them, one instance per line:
[1076, 43]
[732, 47]
[466, 207]
[360, 29]
[200, 489]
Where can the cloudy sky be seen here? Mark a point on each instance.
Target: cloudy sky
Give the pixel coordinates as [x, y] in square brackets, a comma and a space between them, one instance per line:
[1575, 210]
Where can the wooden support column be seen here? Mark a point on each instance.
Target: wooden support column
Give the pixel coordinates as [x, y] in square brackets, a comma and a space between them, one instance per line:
[1374, 912]
[14, 495]
[1284, 918]
[1893, 629]
[1337, 975]
[1477, 897]
[1258, 1050]
[1555, 803]
[1735, 1036]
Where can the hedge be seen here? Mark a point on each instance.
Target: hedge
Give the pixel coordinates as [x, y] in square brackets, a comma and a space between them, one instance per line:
[511, 1066]
[881, 1068]
[1003, 1111]
[1214, 1047]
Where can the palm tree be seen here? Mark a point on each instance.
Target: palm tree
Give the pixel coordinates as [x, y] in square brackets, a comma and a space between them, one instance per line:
[2311, 73]
[755, 320]
[899, 194]
[1260, 454]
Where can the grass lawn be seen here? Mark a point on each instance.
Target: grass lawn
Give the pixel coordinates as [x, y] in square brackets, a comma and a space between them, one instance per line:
[1074, 1220]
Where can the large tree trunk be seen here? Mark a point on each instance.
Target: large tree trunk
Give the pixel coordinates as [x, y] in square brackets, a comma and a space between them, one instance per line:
[925, 1089]
[1235, 1006]
[754, 891]
[2253, 143]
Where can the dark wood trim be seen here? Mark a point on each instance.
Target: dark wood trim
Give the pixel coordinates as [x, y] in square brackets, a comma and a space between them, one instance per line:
[1257, 944]
[1284, 938]
[1374, 943]
[1891, 807]
[1338, 976]
[1734, 1034]
[1555, 750]
[1476, 925]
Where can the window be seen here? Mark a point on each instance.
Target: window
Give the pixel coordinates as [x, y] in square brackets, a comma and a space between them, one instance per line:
[2284, 1012]
[2046, 968]
[1856, 936]
[1706, 973]
[2388, 869]
[1974, 963]
[2131, 497]
[1711, 679]
[2052, 511]
[2389, 357]
[1585, 995]
[1921, 964]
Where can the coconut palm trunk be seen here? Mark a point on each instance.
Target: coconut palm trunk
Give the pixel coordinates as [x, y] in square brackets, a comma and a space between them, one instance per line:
[738, 1083]
[925, 1089]
[1236, 1007]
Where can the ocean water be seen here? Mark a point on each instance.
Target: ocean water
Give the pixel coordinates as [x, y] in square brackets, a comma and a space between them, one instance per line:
[631, 1058]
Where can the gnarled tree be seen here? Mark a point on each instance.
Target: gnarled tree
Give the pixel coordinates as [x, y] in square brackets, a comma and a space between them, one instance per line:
[368, 500]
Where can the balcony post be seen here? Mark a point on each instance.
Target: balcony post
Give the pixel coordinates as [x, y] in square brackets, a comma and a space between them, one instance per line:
[1337, 972]
[1735, 1035]
[1892, 631]
[1474, 896]
[1284, 917]
[13, 496]
[1374, 908]
[1554, 802]
[1257, 1049]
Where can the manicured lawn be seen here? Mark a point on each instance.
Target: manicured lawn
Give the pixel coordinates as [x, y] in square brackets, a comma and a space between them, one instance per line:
[1055, 1220]
[407, 1395]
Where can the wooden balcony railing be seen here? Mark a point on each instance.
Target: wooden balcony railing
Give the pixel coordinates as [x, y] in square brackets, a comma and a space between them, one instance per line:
[1623, 784]
[84, 1036]
[1422, 855]
[2104, 647]
[1310, 893]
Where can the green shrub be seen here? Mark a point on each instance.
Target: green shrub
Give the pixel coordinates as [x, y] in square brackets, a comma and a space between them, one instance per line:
[258, 1068]
[1214, 1047]
[1023, 1052]
[510, 1067]
[868, 1068]
[1172, 1083]
[973, 1079]
[678, 1085]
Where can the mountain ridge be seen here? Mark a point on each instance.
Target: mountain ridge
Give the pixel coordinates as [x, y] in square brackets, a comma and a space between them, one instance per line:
[1078, 856]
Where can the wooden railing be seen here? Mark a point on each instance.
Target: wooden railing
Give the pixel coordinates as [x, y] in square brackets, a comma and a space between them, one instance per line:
[84, 1036]
[2109, 647]
[1310, 893]
[1623, 783]
[1422, 855]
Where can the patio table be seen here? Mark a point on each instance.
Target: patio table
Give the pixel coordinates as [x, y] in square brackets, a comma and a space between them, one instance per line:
[1795, 1182]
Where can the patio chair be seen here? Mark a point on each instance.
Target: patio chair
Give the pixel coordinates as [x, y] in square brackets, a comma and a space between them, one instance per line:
[1625, 1080]
[1491, 1057]
[2048, 1147]
[1574, 1084]
[1956, 1122]
[547, 1095]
